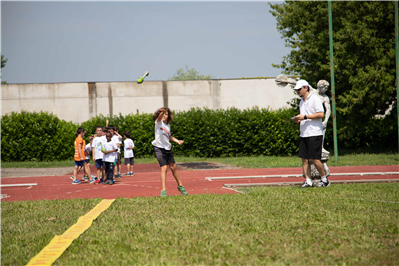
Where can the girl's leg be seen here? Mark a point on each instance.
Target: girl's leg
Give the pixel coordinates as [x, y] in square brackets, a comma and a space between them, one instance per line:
[175, 173]
[164, 169]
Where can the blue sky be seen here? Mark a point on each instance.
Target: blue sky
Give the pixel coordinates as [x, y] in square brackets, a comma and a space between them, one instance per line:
[47, 42]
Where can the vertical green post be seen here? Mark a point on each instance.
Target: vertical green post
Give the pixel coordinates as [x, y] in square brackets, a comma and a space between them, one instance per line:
[332, 82]
[397, 61]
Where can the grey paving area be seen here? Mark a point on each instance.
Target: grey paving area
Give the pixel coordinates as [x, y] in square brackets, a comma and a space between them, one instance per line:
[28, 172]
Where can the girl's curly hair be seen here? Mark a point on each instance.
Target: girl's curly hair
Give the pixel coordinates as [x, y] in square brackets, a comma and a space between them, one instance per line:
[157, 112]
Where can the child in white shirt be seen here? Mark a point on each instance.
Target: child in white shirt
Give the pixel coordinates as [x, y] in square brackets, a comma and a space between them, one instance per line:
[128, 154]
[110, 152]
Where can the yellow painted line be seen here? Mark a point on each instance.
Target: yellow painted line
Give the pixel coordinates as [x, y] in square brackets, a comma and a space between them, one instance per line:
[59, 244]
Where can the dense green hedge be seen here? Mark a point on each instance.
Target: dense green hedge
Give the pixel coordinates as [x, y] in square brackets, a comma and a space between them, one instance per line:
[35, 136]
[42, 136]
[207, 133]
[234, 132]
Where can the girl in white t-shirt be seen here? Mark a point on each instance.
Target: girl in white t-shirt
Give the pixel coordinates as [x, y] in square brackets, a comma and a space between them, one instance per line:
[163, 148]
[128, 154]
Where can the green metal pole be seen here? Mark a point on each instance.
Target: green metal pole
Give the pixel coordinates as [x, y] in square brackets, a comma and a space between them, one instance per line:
[397, 61]
[332, 82]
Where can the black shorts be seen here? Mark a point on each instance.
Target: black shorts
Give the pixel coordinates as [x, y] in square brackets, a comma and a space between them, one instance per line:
[310, 147]
[129, 161]
[99, 163]
[164, 157]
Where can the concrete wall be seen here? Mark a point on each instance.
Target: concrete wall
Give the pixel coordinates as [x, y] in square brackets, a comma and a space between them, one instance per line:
[78, 102]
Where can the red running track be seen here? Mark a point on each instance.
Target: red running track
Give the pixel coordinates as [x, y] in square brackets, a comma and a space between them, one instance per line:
[146, 182]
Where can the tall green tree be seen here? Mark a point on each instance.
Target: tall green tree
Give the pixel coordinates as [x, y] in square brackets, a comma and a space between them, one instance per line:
[189, 74]
[2, 62]
[364, 59]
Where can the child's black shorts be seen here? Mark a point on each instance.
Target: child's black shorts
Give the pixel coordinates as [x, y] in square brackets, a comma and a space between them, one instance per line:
[129, 161]
[164, 157]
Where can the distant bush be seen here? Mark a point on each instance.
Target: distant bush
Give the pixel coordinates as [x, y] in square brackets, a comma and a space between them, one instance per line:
[36, 136]
[141, 127]
[234, 132]
[207, 133]
[42, 136]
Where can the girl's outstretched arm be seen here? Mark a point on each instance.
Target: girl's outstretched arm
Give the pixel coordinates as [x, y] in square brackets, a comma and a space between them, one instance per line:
[180, 142]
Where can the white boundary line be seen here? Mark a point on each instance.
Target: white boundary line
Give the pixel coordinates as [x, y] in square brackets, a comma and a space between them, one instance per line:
[19, 185]
[235, 190]
[299, 175]
[300, 183]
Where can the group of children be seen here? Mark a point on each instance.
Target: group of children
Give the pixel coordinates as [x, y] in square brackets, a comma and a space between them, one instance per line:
[105, 149]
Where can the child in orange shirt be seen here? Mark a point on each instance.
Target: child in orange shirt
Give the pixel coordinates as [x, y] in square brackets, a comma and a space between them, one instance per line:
[80, 156]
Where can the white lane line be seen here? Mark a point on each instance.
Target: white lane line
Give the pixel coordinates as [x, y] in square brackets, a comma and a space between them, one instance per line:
[19, 185]
[234, 190]
[284, 183]
[299, 175]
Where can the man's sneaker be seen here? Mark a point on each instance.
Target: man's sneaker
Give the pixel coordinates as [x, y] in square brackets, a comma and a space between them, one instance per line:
[182, 190]
[131, 174]
[71, 177]
[306, 184]
[101, 180]
[76, 182]
[324, 184]
[97, 182]
[163, 193]
[109, 182]
[85, 178]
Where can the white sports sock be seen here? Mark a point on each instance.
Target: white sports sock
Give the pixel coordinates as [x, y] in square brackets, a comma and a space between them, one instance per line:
[324, 179]
[309, 181]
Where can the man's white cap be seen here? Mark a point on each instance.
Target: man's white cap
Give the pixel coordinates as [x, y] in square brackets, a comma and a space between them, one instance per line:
[300, 83]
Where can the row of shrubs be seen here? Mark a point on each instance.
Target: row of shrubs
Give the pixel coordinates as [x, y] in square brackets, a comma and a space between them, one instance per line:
[32, 136]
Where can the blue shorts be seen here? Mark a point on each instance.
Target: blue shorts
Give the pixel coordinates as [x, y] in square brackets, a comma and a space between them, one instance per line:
[79, 163]
[87, 161]
[99, 163]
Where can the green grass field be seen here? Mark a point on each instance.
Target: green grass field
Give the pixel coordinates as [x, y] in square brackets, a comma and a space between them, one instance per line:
[356, 224]
[246, 162]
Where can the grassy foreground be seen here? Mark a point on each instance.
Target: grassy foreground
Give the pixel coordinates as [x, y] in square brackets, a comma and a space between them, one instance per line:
[356, 224]
[245, 162]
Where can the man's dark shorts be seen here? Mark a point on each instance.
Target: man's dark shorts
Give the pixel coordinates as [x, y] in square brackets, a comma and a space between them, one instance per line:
[164, 157]
[310, 147]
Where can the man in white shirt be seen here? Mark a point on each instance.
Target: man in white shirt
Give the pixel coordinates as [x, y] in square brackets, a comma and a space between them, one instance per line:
[311, 128]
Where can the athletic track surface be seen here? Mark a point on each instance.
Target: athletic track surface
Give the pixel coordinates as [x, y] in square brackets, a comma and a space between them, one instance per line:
[146, 182]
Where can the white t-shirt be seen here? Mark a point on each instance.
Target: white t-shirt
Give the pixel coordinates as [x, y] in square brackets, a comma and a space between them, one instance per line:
[98, 154]
[127, 144]
[110, 157]
[115, 139]
[162, 134]
[88, 149]
[311, 127]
